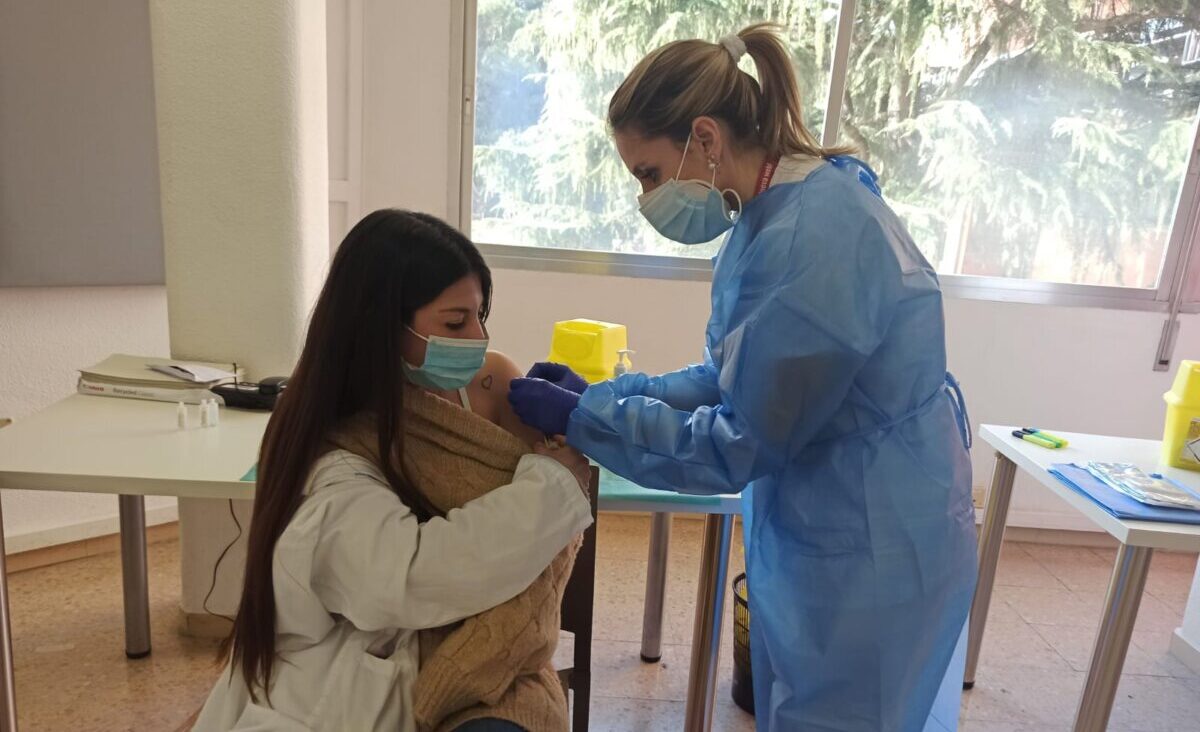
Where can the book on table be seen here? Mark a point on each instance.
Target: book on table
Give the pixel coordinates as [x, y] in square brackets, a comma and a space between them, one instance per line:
[141, 377]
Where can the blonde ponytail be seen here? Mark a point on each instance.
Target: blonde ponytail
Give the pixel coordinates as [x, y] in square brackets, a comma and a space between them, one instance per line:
[780, 119]
[683, 80]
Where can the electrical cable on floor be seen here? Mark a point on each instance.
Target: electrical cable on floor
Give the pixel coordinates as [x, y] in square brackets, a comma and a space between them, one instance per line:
[217, 565]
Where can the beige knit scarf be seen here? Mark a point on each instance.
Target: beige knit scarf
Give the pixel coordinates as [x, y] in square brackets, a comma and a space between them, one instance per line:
[498, 663]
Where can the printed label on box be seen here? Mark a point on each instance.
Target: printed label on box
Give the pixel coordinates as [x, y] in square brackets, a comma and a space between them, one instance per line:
[1190, 454]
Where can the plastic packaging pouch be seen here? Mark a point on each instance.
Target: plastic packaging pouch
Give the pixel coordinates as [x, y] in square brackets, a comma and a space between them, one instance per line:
[1153, 490]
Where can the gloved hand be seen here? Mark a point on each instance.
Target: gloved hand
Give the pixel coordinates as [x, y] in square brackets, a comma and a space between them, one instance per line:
[542, 405]
[559, 375]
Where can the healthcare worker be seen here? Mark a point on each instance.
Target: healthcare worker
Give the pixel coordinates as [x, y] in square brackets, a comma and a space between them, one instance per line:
[823, 389]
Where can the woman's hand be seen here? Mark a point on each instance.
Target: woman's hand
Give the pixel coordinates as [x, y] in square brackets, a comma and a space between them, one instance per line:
[570, 458]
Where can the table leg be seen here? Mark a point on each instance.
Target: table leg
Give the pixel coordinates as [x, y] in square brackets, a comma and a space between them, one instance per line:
[656, 587]
[991, 536]
[133, 574]
[1112, 641]
[710, 613]
[8, 687]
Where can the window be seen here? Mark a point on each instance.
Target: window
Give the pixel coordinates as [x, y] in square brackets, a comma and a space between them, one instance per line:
[1043, 141]
[545, 171]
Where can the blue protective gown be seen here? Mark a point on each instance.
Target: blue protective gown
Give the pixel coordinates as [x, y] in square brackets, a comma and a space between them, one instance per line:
[824, 389]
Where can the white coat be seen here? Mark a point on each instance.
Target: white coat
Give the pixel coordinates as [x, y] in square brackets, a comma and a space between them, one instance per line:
[356, 576]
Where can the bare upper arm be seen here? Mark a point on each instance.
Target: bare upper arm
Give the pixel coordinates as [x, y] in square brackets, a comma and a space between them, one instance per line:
[498, 372]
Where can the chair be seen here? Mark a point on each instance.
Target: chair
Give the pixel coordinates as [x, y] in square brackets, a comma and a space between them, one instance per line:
[577, 608]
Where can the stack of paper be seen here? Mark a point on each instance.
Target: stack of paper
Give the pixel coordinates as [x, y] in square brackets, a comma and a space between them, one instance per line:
[196, 373]
[158, 379]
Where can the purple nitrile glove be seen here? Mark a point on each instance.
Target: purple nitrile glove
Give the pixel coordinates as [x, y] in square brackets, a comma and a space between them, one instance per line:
[542, 405]
[559, 375]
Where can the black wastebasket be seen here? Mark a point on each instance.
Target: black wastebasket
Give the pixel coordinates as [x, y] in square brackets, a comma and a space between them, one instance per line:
[743, 683]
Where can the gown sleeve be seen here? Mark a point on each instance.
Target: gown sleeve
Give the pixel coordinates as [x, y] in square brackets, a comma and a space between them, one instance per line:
[788, 366]
[687, 389]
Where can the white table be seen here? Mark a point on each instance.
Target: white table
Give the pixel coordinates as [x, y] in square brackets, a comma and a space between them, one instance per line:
[132, 448]
[1138, 541]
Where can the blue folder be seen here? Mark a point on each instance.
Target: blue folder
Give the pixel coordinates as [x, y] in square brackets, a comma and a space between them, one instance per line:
[1116, 502]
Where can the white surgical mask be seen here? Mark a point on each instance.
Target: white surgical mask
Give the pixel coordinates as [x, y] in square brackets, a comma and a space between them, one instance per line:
[689, 211]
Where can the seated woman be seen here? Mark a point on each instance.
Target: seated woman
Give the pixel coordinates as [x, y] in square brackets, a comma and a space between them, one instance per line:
[460, 536]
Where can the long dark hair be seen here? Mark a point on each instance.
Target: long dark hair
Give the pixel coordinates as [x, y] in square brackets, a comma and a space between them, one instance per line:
[391, 264]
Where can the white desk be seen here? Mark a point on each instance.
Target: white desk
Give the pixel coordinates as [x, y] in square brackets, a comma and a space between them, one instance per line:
[130, 448]
[133, 449]
[1138, 541]
[92, 444]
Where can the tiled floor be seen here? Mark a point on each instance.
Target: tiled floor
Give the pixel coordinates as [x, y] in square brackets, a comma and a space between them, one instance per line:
[1045, 611]
[72, 673]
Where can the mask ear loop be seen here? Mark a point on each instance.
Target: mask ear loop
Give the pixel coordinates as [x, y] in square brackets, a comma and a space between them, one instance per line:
[732, 215]
[683, 159]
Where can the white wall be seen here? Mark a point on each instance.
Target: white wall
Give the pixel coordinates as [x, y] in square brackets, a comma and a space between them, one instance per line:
[406, 92]
[344, 30]
[48, 333]
[1069, 369]
[78, 168]
[45, 335]
[240, 92]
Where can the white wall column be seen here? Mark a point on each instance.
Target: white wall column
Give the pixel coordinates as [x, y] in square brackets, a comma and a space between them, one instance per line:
[241, 106]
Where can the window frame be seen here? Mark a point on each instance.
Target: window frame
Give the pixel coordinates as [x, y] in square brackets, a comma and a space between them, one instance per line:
[1167, 297]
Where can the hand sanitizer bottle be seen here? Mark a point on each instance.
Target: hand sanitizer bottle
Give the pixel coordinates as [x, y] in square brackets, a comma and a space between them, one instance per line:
[623, 364]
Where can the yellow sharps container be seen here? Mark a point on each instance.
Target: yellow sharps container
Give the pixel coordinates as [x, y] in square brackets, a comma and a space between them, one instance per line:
[589, 347]
[1181, 437]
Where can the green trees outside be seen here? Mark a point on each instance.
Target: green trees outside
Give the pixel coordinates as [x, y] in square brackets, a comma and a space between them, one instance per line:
[1041, 139]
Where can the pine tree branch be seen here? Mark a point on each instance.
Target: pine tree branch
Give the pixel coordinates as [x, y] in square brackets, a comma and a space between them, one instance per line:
[852, 131]
[1103, 26]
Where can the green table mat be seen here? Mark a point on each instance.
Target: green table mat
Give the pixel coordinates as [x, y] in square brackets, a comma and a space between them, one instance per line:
[615, 488]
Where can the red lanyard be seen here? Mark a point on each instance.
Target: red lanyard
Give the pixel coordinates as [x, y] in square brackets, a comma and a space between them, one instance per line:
[765, 174]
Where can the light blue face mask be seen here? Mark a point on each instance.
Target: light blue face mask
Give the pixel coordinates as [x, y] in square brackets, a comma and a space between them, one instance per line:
[450, 363]
[689, 211]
